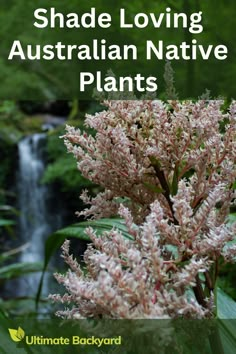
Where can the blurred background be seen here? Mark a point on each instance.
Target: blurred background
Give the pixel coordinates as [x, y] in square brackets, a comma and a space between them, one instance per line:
[39, 194]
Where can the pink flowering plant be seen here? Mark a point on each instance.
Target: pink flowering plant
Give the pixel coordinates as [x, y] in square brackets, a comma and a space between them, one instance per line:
[167, 169]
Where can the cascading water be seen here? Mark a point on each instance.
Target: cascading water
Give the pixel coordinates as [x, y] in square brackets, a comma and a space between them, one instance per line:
[36, 220]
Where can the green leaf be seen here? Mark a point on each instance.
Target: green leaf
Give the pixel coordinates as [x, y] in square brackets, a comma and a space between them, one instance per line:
[77, 230]
[22, 306]
[5, 256]
[226, 312]
[18, 269]
[20, 333]
[5, 222]
[16, 334]
[232, 218]
[13, 334]
[227, 330]
[226, 307]
[3, 314]
[9, 209]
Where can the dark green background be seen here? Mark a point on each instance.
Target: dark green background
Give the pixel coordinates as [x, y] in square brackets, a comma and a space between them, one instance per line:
[56, 79]
[138, 336]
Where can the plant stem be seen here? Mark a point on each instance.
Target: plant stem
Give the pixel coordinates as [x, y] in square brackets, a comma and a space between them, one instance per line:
[161, 177]
[198, 292]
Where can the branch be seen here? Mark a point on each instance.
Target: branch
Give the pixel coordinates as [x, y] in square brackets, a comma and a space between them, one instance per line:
[164, 185]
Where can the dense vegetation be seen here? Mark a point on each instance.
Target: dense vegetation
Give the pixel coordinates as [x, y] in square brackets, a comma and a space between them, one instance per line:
[61, 172]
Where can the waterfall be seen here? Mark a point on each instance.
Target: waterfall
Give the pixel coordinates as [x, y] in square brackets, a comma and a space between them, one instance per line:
[36, 219]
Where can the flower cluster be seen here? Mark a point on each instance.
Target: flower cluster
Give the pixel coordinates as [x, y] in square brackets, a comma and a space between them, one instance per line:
[168, 170]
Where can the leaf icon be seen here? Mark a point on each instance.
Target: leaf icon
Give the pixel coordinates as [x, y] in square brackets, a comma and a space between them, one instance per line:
[16, 334]
[20, 333]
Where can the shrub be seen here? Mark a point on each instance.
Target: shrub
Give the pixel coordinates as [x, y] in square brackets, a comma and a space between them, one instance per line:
[168, 169]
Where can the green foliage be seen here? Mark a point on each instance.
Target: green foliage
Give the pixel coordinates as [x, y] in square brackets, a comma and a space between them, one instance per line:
[6, 210]
[62, 167]
[227, 272]
[18, 269]
[102, 225]
[5, 222]
[226, 307]
[10, 270]
[64, 171]
[8, 159]
[227, 279]
[226, 310]
[9, 112]
[55, 241]
[13, 126]
[55, 145]
[6, 213]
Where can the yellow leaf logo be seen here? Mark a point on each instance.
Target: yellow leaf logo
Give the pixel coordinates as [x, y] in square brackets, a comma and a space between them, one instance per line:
[16, 334]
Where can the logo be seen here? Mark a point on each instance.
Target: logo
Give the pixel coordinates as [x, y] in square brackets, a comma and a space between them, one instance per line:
[17, 335]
